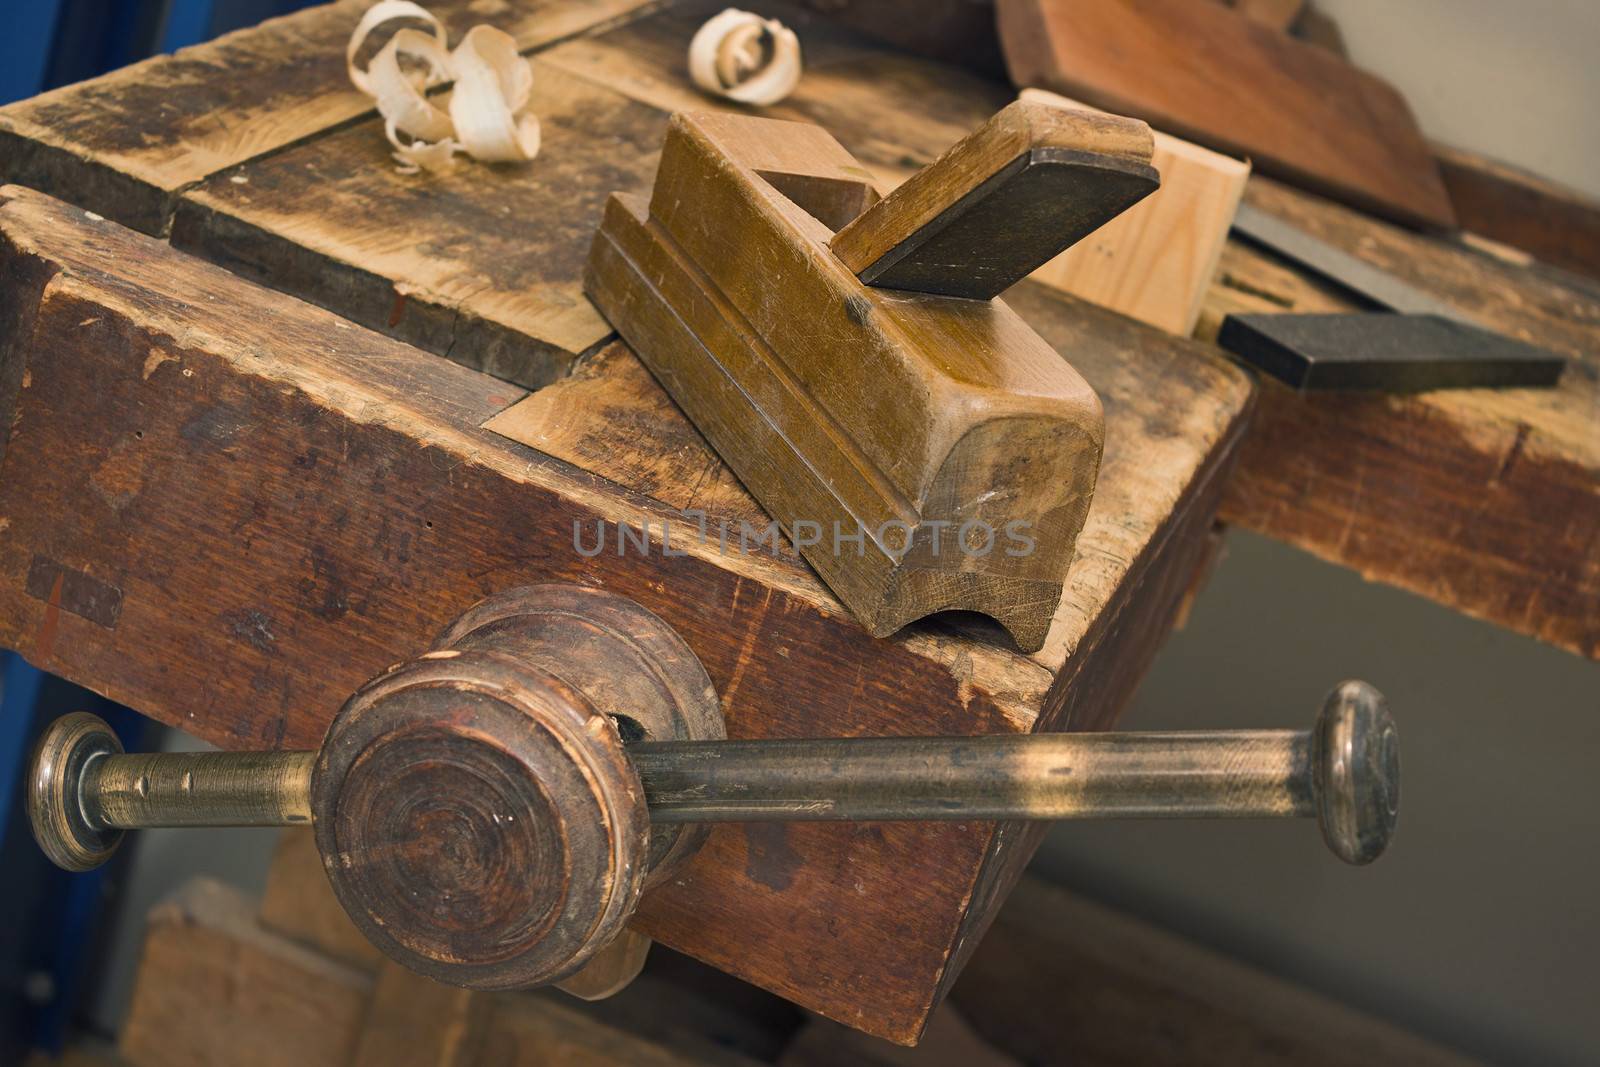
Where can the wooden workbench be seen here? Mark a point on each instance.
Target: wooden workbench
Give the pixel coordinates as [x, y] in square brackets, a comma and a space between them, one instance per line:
[227, 507]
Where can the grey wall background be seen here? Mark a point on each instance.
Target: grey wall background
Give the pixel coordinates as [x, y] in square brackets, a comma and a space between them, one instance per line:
[1515, 79]
[1482, 927]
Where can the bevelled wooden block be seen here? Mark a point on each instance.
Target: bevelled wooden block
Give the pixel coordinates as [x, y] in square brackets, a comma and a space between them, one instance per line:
[924, 452]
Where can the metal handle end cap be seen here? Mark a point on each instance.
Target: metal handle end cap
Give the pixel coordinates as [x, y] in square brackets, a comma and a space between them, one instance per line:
[1356, 762]
[68, 748]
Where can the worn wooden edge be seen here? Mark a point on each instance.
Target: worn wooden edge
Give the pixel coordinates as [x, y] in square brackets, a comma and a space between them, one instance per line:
[1448, 494]
[215, 985]
[211, 984]
[70, 141]
[27, 220]
[1556, 223]
[204, 226]
[1147, 237]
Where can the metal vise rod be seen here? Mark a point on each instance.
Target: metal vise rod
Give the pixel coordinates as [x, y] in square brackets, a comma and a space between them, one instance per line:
[1345, 772]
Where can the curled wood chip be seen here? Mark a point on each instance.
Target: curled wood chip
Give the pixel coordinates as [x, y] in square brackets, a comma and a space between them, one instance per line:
[493, 84]
[745, 57]
[487, 116]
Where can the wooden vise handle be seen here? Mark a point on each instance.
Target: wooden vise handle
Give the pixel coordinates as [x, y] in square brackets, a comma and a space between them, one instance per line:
[1005, 199]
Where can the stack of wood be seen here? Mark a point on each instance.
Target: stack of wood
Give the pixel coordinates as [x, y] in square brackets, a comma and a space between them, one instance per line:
[1060, 980]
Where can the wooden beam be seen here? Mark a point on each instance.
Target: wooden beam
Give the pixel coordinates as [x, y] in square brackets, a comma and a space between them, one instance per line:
[127, 144]
[1123, 991]
[1553, 222]
[1482, 500]
[215, 987]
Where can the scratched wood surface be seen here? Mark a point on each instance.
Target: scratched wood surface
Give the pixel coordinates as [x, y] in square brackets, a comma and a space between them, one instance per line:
[493, 277]
[127, 144]
[301, 502]
[1487, 501]
[483, 265]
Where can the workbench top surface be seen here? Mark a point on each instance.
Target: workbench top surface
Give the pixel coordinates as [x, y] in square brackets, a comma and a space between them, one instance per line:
[317, 408]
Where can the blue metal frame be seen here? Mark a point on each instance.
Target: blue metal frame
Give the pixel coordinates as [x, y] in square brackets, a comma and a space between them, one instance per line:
[26, 47]
[188, 22]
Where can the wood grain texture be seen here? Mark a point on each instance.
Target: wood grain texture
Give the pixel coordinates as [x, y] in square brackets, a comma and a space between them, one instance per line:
[894, 112]
[1156, 260]
[412, 1021]
[1210, 74]
[127, 144]
[287, 485]
[947, 465]
[213, 987]
[1146, 478]
[1558, 224]
[1122, 991]
[1029, 182]
[1482, 500]
[482, 266]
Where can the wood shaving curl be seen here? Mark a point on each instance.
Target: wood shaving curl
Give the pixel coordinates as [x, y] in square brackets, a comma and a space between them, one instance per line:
[487, 117]
[745, 57]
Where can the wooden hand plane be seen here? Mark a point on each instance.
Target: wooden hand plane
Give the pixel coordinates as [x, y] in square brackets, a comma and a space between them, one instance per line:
[847, 357]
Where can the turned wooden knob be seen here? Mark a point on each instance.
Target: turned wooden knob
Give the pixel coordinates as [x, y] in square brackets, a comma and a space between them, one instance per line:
[475, 810]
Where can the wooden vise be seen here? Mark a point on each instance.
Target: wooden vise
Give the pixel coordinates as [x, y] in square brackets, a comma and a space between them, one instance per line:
[847, 356]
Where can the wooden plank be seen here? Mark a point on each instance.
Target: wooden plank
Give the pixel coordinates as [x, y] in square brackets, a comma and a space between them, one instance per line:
[676, 1002]
[212, 987]
[1155, 261]
[298, 903]
[1278, 15]
[1212, 75]
[304, 502]
[483, 265]
[1558, 224]
[1483, 500]
[412, 1021]
[127, 144]
[1122, 991]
